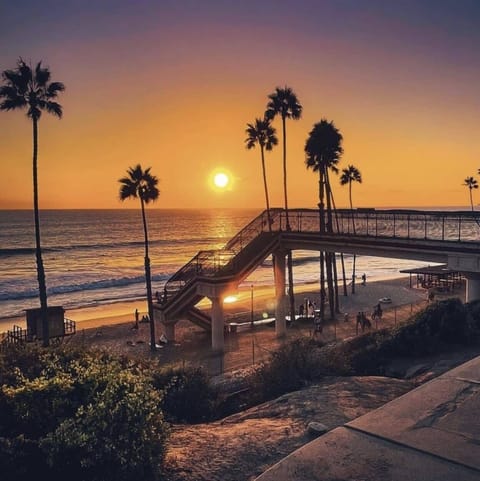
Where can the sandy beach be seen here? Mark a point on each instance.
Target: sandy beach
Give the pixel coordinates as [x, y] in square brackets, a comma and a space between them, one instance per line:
[111, 327]
[263, 300]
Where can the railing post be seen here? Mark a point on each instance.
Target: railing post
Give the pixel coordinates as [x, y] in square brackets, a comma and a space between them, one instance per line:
[459, 227]
[376, 225]
[367, 224]
[425, 226]
[394, 233]
[408, 226]
[443, 227]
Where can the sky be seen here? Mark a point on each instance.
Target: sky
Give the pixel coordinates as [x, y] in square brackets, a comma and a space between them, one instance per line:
[172, 84]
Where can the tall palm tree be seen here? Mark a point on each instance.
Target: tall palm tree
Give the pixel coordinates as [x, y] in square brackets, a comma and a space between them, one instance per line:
[31, 89]
[349, 175]
[471, 183]
[323, 149]
[263, 134]
[284, 103]
[142, 185]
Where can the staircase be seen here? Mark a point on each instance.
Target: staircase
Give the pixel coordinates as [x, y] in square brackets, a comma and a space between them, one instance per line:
[233, 263]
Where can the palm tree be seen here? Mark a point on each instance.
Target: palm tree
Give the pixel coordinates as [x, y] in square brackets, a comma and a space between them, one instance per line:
[31, 89]
[323, 150]
[471, 183]
[263, 134]
[349, 175]
[284, 103]
[143, 185]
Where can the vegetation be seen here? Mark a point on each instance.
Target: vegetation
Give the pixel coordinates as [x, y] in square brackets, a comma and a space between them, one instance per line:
[471, 183]
[143, 185]
[81, 416]
[434, 330]
[323, 149]
[263, 134]
[349, 175]
[31, 89]
[284, 103]
[85, 415]
[188, 396]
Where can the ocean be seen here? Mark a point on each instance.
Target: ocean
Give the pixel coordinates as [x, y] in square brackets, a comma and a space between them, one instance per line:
[95, 257]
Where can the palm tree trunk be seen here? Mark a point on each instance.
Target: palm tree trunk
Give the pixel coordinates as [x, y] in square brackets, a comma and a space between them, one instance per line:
[148, 279]
[291, 293]
[354, 232]
[345, 293]
[353, 274]
[285, 171]
[321, 221]
[267, 201]
[42, 287]
[471, 199]
[329, 255]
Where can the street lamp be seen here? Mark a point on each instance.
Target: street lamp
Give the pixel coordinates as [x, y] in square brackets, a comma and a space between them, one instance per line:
[251, 305]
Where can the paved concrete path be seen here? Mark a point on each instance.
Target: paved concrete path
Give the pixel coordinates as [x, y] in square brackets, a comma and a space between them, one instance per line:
[429, 434]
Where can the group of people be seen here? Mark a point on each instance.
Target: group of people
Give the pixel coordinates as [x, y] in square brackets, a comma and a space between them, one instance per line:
[307, 308]
[363, 321]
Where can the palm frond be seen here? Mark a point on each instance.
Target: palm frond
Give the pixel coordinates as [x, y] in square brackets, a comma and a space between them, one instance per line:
[31, 89]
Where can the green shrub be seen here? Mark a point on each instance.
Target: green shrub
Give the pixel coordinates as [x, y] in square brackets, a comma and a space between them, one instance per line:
[84, 416]
[288, 369]
[187, 394]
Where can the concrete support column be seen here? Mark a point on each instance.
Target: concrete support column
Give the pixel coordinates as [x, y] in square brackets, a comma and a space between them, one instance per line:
[218, 324]
[280, 296]
[473, 287]
[169, 331]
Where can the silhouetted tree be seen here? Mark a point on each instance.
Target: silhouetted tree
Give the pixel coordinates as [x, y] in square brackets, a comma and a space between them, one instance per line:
[323, 150]
[143, 185]
[31, 89]
[284, 103]
[263, 134]
[349, 175]
[471, 183]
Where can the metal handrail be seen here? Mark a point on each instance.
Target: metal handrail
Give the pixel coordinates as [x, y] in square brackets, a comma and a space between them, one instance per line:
[458, 226]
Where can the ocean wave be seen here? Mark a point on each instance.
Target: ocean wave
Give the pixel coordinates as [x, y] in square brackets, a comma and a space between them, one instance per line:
[16, 294]
[27, 251]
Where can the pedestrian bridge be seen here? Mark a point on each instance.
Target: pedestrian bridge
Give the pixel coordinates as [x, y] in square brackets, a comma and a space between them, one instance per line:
[452, 238]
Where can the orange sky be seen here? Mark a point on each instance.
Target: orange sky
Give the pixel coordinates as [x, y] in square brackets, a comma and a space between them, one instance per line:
[172, 85]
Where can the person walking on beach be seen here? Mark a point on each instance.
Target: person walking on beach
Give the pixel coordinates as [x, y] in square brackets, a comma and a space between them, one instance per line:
[136, 318]
[364, 279]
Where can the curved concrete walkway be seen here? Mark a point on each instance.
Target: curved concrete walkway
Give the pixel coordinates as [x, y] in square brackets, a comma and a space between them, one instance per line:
[431, 433]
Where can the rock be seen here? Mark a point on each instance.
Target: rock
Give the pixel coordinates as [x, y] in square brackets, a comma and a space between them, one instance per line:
[415, 370]
[316, 428]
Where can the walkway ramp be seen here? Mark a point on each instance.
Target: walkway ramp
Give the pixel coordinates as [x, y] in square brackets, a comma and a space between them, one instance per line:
[431, 433]
[445, 237]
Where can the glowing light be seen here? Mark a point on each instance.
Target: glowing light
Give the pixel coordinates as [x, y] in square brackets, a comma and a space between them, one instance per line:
[221, 180]
[230, 299]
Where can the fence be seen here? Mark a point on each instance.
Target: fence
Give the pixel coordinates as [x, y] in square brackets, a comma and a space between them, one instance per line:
[250, 346]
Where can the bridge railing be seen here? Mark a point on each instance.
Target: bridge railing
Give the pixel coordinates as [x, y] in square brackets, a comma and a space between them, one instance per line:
[459, 226]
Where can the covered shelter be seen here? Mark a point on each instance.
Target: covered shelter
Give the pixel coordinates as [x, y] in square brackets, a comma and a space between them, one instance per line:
[439, 277]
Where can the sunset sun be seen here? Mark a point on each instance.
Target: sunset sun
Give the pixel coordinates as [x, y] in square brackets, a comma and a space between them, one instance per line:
[221, 180]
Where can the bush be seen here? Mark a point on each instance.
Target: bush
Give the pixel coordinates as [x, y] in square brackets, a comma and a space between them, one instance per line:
[288, 369]
[187, 394]
[78, 415]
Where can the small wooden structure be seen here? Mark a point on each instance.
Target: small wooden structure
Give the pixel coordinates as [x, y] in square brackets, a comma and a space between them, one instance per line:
[58, 326]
